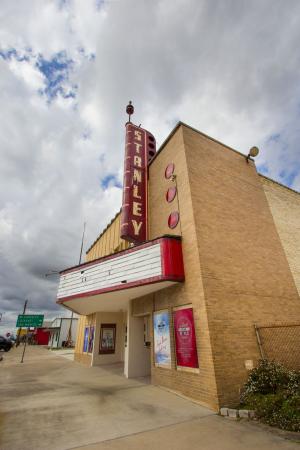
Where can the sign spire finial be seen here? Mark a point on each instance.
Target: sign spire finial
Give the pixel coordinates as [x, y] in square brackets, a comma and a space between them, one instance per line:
[129, 110]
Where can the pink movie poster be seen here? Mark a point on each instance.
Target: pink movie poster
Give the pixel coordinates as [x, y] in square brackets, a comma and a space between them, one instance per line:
[185, 339]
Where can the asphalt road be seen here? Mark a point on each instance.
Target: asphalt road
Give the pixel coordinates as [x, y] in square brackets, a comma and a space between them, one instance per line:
[50, 402]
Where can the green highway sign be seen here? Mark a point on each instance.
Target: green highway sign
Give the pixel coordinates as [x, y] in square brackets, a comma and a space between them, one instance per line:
[29, 320]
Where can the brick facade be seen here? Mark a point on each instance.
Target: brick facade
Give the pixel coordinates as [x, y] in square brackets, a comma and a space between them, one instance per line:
[285, 208]
[241, 258]
[244, 269]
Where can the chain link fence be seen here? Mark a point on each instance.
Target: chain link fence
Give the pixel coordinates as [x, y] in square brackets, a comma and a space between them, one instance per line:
[280, 343]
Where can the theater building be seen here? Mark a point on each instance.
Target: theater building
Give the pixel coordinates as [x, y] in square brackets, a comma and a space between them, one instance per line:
[204, 252]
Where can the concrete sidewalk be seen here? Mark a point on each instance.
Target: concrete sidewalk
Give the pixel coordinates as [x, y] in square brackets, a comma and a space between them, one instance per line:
[50, 402]
[206, 433]
[64, 352]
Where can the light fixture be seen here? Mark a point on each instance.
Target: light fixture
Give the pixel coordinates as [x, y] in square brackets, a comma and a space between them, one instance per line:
[253, 152]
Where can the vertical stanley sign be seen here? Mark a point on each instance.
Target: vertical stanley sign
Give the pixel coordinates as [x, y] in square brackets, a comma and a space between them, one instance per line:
[139, 149]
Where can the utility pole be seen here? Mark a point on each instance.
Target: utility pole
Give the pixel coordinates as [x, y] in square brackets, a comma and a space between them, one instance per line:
[82, 240]
[69, 338]
[19, 330]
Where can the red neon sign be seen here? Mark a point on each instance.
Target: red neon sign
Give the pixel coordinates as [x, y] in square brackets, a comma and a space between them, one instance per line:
[140, 147]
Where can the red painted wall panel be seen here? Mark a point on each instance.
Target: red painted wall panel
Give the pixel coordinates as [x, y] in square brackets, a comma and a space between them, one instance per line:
[42, 336]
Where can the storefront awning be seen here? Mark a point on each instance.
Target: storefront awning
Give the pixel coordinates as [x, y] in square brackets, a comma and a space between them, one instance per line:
[106, 284]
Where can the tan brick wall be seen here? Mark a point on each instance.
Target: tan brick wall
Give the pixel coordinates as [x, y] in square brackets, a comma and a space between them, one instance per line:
[200, 386]
[143, 305]
[84, 321]
[285, 207]
[244, 269]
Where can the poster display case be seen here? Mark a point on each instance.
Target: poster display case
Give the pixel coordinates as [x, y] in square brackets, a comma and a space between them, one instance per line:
[107, 343]
[162, 346]
[91, 339]
[86, 339]
[185, 339]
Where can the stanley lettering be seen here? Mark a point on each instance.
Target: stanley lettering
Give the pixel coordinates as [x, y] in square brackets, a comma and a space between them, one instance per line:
[134, 208]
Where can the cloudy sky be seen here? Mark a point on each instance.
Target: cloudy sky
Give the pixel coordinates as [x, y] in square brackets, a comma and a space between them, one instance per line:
[230, 68]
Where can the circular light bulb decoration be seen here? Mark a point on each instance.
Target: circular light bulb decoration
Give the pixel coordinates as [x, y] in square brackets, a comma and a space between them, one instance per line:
[169, 170]
[171, 194]
[173, 219]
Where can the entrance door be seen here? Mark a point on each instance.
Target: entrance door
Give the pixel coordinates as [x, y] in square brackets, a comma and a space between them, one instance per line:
[147, 344]
[138, 351]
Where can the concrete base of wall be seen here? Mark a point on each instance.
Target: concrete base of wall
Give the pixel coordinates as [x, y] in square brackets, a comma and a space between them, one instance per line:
[83, 358]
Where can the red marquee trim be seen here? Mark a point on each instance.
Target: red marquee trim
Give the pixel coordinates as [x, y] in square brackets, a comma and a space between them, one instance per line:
[171, 260]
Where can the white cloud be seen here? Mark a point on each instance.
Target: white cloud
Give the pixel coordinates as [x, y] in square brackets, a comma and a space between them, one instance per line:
[28, 73]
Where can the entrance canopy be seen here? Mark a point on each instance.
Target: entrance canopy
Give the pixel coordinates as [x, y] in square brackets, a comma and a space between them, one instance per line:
[108, 283]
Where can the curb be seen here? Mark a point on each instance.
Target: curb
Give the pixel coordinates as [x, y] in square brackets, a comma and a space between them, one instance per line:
[237, 413]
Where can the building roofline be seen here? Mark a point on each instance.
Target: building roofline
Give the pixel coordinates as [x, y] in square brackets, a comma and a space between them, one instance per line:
[177, 126]
[280, 184]
[68, 318]
[229, 148]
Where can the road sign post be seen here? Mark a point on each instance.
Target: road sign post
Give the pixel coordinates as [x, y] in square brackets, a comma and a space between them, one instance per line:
[24, 346]
[27, 321]
[19, 330]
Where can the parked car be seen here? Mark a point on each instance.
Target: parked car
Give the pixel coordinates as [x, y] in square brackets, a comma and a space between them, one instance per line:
[5, 344]
[12, 339]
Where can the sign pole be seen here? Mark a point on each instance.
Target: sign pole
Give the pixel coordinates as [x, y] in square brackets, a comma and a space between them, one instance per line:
[19, 330]
[24, 346]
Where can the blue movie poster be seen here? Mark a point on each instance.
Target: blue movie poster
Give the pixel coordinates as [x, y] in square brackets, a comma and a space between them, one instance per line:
[162, 347]
[91, 340]
[86, 339]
